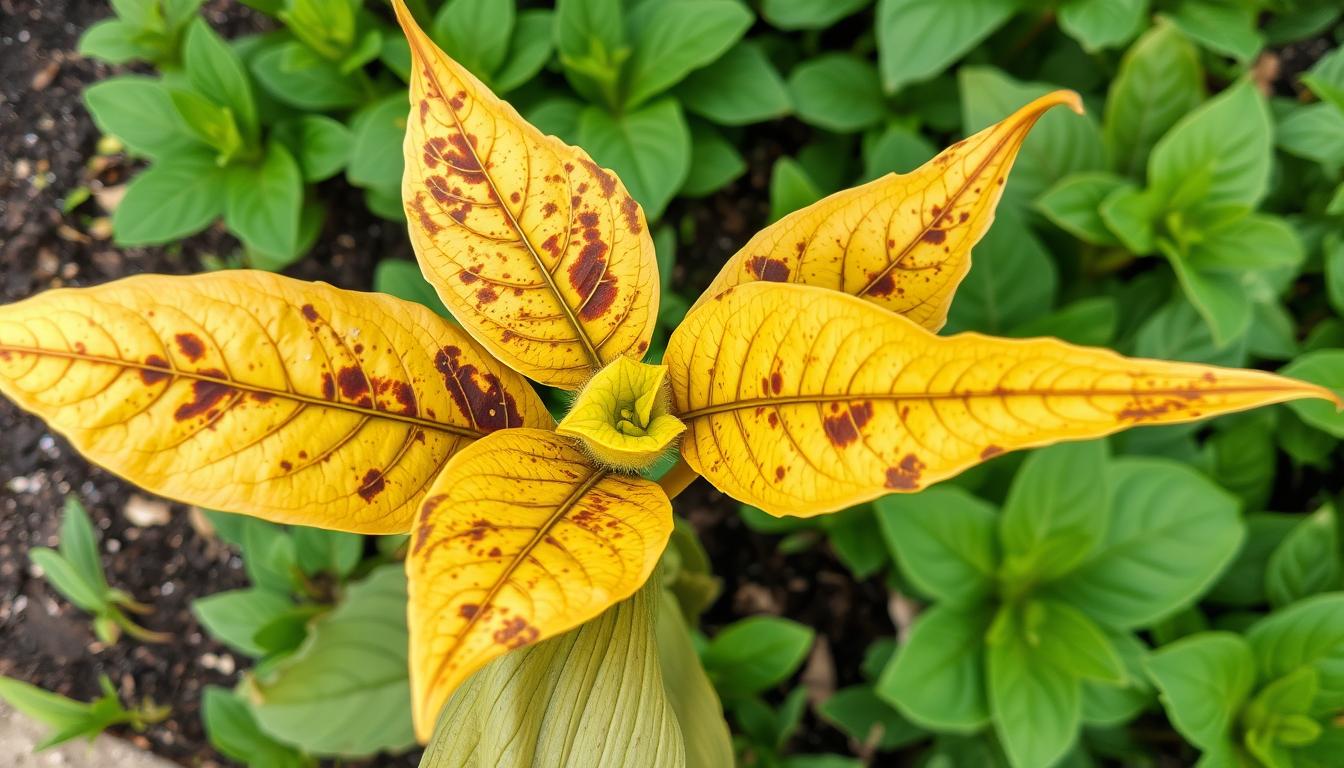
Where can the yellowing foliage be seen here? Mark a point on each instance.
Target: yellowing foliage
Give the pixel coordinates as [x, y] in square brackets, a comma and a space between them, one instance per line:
[542, 255]
[251, 392]
[802, 400]
[520, 539]
[901, 241]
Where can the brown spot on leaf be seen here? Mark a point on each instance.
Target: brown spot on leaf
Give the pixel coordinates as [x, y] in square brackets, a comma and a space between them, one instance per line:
[905, 476]
[205, 396]
[478, 396]
[883, 284]
[934, 236]
[516, 633]
[328, 387]
[771, 270]
[151, 376]
[468, 611]
[607, 181]
[191, 346]
[630, 210]
[354, 385]
[434, 149]
[776, 382]
[486, 295]
[990, 452]
[310, 314]
[372, 485]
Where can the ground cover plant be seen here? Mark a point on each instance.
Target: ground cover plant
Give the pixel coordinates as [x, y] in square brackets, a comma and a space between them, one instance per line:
[1046, 611]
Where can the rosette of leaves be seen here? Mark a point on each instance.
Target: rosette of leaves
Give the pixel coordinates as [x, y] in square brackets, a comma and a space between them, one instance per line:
[807, 379]
[1035, 606]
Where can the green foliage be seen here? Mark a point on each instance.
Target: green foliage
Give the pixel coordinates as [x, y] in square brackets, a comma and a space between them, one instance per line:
[1035, 606]
[75, 570]
[69, 719]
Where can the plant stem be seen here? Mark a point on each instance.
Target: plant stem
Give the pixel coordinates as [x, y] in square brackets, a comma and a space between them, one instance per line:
[677, 478]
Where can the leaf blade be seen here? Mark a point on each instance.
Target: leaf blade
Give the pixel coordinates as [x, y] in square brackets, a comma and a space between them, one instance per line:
[868, 414]
[365, 394]
[484, 545]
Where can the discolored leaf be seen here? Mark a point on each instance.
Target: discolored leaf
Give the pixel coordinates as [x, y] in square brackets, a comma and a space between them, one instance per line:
[801, 401]
[903, 241]
[539, 252]
[250, 392]
[521, 539]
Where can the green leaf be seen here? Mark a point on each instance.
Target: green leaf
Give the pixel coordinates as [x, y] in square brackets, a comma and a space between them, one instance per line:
[1074, 204]
[264, 203]
[1307, 562]
[327, 27]
[937, 679]
[79, 544]
[68, 580]
[866, 719]
[585, 26]
[1071, 641]
[1308, 633]
[1171, 533]
[177, 196]
[1035, 700]
[1130, 214]
[1324, 367]
[791, 188]
[1243, 457]
[403, 279]
[1106, 703]
[1175, 332]
[475, 33]
[1204, 679]
[757, 653]
[650, 150]
[689, 690]
[376, 158]
[917, 39]
[235, 617]
[1160, 80]
[268, 555]
[1219, 296]
[945, 541]
[1089, 322]
[1326, 79]
[672, 39]
[68, 719]
[855, 536]
[345, 692]
[1257, 241]
[1227, 28]
[321, 145]
[1314, 132]
[715, 162]
[213, 69]
[741, 87]
[116, 42]
[296, 75]
[593, 696]
[211, 124]
[323, 551]
[529, 50]
[139, 111]
[837, 91]
[1056, 512]
[1333, 256]
[1242, 584]
[1013, 281]
[898, 149]
[1219, 154]
[233, 730]
[1098, 24]
[809, 14]
[1061, 144]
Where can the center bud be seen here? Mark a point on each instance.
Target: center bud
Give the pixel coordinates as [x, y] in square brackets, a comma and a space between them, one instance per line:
[621, 415]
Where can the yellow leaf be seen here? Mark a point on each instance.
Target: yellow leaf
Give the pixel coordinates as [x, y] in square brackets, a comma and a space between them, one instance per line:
[802, 400]
[621, 415]
[902, 241]
[542, 255]
[254, 393]
[520, 539]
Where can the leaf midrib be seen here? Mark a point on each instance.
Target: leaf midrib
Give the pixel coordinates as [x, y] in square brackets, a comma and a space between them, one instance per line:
[237, 385]
[579, 332]
[831, 397]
